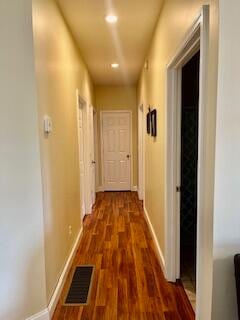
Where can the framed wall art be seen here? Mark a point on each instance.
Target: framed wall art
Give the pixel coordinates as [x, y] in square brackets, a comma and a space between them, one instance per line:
[154, 123]
[149, 122]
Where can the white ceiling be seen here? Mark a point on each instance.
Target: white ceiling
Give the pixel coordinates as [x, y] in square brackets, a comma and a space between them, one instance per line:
[101, 44]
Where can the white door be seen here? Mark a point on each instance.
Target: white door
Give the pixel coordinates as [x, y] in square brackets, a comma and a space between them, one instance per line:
[116, 133]
[140, 153]
[82, 165]
[92, 157]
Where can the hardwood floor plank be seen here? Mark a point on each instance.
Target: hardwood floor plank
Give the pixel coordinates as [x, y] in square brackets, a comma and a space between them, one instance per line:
[128, 282]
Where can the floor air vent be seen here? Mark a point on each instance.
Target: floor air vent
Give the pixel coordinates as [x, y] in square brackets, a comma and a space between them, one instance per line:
[80, 286]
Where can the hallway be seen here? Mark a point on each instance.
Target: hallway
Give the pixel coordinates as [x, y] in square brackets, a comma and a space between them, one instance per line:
[98, 127]
[128, 282]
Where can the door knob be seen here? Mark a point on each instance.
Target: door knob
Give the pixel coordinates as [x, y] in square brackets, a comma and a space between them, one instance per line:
[128, 156]
[93, 162]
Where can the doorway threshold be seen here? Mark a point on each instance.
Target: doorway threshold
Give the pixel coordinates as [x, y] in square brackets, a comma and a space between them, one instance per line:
[189, 288]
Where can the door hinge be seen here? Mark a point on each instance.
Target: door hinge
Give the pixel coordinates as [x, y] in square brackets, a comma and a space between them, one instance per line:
[178, 188]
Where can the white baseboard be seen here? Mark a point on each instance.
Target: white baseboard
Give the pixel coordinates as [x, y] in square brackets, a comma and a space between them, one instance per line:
[47, 314]
[134, 188]
[43, 315]
[159, 251]
[101, 188]
[56, 295]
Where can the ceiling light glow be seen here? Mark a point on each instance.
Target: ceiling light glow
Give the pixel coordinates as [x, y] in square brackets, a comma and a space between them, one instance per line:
[115, 65]
[111, 18]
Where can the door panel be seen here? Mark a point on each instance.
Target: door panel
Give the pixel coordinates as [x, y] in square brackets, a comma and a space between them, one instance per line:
[111, 170]
[110, 141]
[123, 140]
[116, 128]
[122, 171]
[82, 165]
[92, 157]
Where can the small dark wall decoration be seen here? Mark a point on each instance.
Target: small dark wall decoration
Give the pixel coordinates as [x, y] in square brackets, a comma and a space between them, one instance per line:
[154, 123]
[149, 122]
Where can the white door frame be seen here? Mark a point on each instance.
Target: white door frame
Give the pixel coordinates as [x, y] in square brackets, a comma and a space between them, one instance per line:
[141, 153]
[92, 158]
[85, 106]
[131, 148]
[196, 38]
[82, 104]
[95, 122]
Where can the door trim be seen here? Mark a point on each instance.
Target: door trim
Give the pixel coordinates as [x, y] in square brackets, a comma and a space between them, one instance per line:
[131, 147]
[96, 151]
[141, 152]
[81, 104]
[196, 38]
[92, 110]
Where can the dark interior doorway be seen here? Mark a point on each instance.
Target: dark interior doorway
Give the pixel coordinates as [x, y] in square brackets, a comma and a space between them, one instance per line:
[189, 160]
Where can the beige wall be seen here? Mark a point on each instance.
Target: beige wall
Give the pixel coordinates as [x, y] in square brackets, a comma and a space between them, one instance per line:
[59, 70]
[22, 267]
[175, 19]
[118, 98]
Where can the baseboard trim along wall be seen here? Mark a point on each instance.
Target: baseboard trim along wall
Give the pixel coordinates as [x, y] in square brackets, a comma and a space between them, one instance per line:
[101, 188]
[43, 315]
[159, 251]
[56, 295]
[134, 188]
[48, 313]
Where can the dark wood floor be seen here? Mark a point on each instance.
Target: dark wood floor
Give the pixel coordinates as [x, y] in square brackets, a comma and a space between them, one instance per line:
[128, 281]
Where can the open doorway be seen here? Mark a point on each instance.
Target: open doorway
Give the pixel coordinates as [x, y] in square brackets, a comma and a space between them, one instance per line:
[196, 39]
[86, 132]
[189, 175]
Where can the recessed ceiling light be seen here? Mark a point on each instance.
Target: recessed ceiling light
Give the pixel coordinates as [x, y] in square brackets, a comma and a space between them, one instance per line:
[115, 65]
[111, 18]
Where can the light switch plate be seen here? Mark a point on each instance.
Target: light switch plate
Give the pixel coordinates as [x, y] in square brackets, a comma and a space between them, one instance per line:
[47, 124]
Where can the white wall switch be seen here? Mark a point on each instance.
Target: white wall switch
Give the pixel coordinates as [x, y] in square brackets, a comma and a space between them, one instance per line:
[47, 124]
